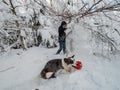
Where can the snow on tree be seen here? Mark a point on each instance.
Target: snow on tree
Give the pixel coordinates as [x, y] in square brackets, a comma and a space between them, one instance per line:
[99, 17]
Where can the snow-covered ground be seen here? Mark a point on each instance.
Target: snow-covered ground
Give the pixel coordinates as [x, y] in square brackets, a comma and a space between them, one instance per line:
[20, 70]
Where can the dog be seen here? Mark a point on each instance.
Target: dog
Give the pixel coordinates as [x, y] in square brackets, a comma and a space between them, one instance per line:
[54, 65]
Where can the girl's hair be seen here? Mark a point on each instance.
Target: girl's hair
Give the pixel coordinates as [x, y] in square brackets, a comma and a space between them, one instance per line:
[63, 23]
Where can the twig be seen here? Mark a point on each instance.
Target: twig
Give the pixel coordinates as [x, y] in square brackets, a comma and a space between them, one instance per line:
[117, 31]
[7, 69]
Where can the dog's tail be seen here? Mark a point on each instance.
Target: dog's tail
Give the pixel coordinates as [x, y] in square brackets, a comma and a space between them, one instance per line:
[43, 73]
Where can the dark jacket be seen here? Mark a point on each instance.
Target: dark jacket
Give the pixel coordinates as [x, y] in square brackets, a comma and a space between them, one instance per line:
[62, 34]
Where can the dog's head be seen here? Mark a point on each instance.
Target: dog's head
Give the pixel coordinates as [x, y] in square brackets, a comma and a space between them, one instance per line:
[69, 60]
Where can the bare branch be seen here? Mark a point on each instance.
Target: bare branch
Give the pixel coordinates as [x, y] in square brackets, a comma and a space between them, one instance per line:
[5, 2]
[12, 8]
[110, 17]
[117, 31]
[94, 5]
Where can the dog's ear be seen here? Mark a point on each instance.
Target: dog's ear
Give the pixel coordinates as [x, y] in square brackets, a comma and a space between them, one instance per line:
[73, 56]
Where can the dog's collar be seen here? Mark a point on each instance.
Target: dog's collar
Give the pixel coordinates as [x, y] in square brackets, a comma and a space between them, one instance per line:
[64, 65]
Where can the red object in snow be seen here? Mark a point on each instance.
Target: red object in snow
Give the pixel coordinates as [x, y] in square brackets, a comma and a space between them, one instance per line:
[78, 65]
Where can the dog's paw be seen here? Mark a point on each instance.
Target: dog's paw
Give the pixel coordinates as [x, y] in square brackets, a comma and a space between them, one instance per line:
[49, 75]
